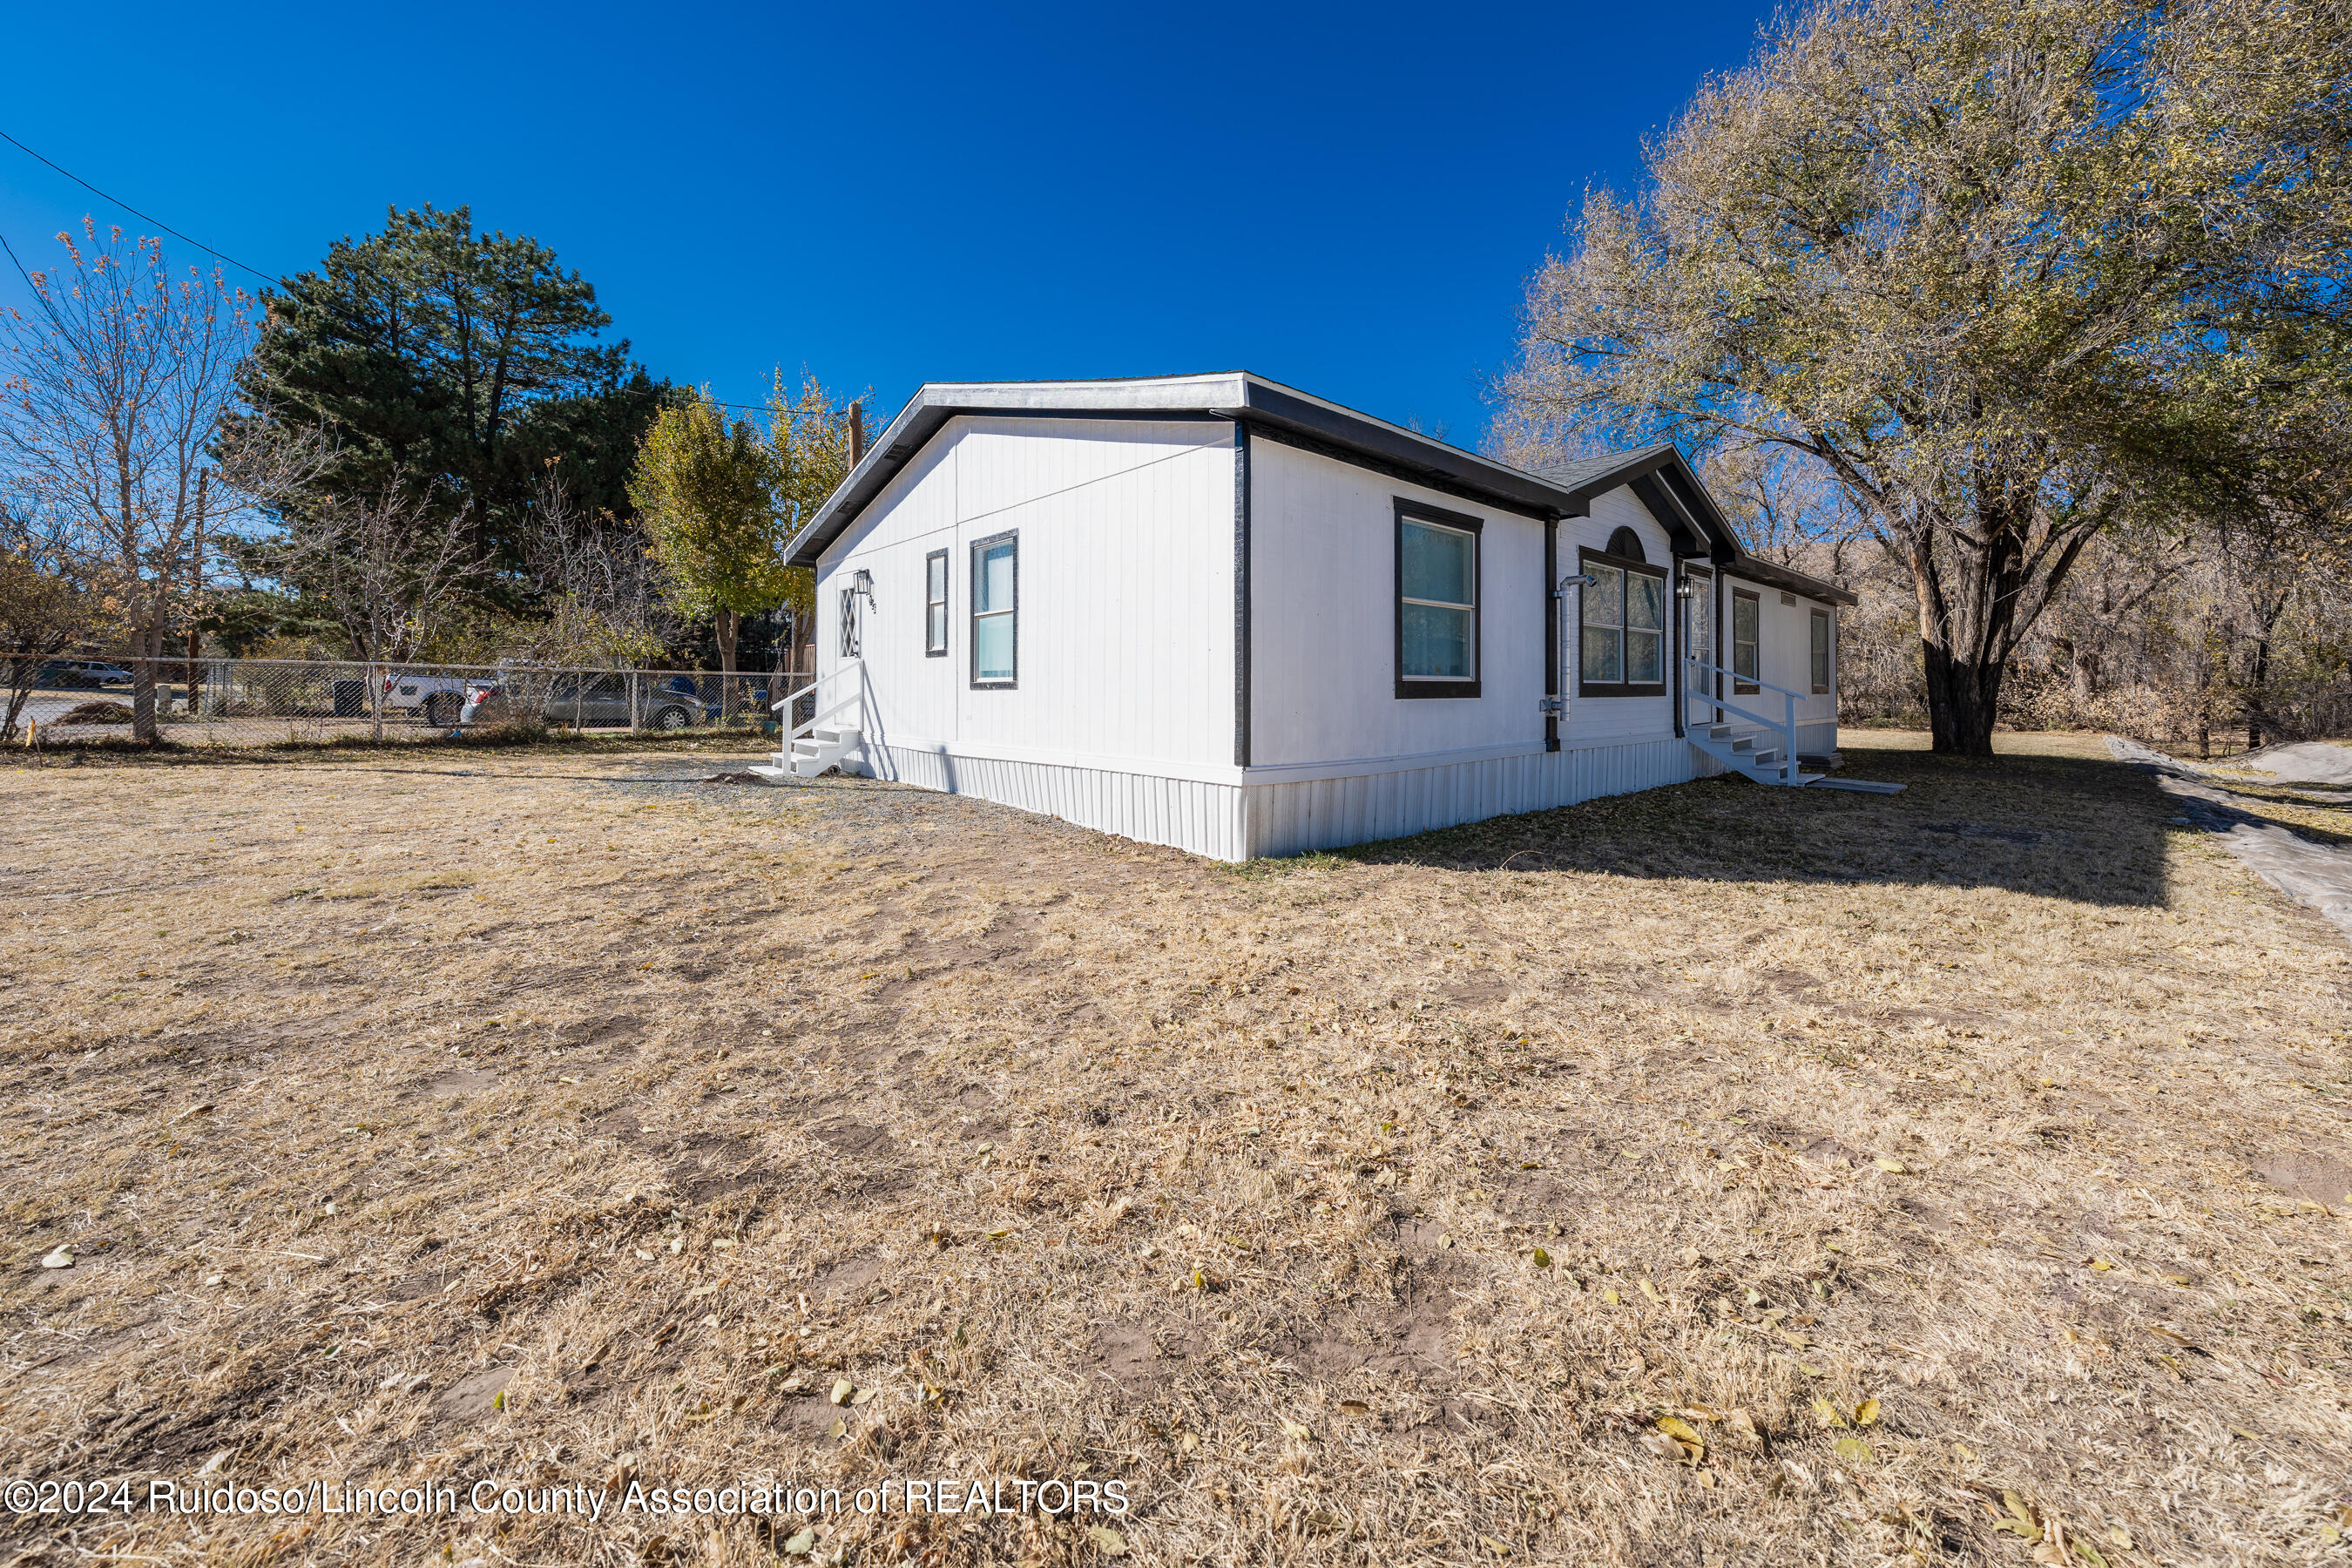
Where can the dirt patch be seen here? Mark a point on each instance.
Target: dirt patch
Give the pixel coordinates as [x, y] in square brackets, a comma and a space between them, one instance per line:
[2322, 1178]
[459, 1081]
[1143, 1362]
[474, 1396]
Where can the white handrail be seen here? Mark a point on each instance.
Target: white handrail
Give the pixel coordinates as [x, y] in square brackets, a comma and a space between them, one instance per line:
[1786, 723]
[820, 712]
[1748, 680]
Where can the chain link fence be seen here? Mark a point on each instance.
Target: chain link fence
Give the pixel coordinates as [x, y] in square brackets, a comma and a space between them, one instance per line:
[245, 702]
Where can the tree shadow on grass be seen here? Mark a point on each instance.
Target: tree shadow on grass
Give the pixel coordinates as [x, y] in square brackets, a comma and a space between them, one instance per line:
[2083, 829]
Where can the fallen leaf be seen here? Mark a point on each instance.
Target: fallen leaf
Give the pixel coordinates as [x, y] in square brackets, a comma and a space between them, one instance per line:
[1190, 1442]
[861, 1396]
[1854, 1450]
[841, 1389]
[1354, 1407]
[1651, 1292]
[2101, 1264]
[1865, 1413]
[644, 1255]
[802, 1542]
[62, 1258]
[2176, 1279]
[1495, 1546]
[2120, 1536]
[1608, 1294]
[1293, 1430]
[1543, 1258]
[840, 1424]
[1825, 1413]
[2248, 1437]
[1108, 1542]
[1891, 1167]
[1968, 1455]
[1683, 1432]
[193, 1110]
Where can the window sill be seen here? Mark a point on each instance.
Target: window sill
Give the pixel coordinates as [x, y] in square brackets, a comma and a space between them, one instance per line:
[1584, 690]
[1418, 688]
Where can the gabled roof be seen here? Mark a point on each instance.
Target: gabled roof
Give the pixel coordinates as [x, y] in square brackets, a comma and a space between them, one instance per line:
[1659, 474]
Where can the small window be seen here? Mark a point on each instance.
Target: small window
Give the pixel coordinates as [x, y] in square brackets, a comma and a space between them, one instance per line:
[1822, 642]
[1437, 603]
[935, 603]
[849, 623]
[995, 610]
[1622, 621]
[1747, 618]
[1699, 642]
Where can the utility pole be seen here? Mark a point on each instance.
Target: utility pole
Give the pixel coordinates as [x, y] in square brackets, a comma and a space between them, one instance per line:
[856, 433]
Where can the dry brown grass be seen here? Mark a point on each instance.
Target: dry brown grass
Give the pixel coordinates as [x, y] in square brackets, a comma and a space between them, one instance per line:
[643, 1104]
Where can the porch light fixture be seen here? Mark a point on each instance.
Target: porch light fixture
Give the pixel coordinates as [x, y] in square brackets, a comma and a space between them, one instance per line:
[862, 581]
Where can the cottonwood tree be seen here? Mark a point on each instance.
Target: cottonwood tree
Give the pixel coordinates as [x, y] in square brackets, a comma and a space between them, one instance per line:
[1964, 255]
[111, 389]
[707, 488]
[810, 434]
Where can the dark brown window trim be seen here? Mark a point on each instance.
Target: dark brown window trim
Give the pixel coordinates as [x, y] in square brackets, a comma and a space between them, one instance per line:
[1585, 558]
[1741, 687]
[1829, 648]
[946, 584]
[972, 632]
[1424, 685]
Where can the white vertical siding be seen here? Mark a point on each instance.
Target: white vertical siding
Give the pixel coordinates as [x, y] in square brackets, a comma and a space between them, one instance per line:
[1323, 619]
[1322, 814]
[1238, 822]
[1784, 658]
[1126, 590]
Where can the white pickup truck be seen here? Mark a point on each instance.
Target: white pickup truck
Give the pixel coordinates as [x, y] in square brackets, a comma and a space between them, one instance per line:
[436, 698]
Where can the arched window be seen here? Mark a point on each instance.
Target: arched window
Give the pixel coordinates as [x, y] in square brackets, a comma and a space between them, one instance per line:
[1627, 543]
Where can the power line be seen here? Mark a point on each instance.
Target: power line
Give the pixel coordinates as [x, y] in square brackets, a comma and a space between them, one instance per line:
[134, 212]
[200, 245]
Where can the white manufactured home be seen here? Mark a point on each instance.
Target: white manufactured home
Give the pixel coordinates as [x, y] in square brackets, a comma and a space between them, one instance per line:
[1214, 612]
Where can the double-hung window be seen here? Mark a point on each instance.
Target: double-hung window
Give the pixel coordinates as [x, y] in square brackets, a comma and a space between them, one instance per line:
[935, 605]
[1822, 644]
[1747, 629]
[1437, 602]
[1622, 617]
[995, 610]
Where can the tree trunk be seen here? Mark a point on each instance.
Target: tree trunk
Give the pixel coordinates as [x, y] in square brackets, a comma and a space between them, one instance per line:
[1963, 697]
[729, 623]
[147, 643]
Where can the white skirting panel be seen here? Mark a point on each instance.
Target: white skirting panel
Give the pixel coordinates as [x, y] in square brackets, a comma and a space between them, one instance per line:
[1188, 813]
[1817, 740]
[1237, 822]
[1323, 814]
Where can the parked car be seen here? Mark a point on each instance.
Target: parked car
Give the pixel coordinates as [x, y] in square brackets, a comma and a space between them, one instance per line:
[598, 702]
[79, 675]
[439, 699]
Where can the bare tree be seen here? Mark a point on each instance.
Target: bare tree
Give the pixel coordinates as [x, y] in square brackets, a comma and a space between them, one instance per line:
[388, 564]
[47, 606]
[610, 603]
[114, 386]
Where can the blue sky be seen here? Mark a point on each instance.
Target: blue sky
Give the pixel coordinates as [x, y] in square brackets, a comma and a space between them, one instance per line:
[1347, 198]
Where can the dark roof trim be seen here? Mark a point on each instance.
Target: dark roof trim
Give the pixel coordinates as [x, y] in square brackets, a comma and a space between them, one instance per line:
[1659, 474]
[1795, 582]
[1236, 395]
